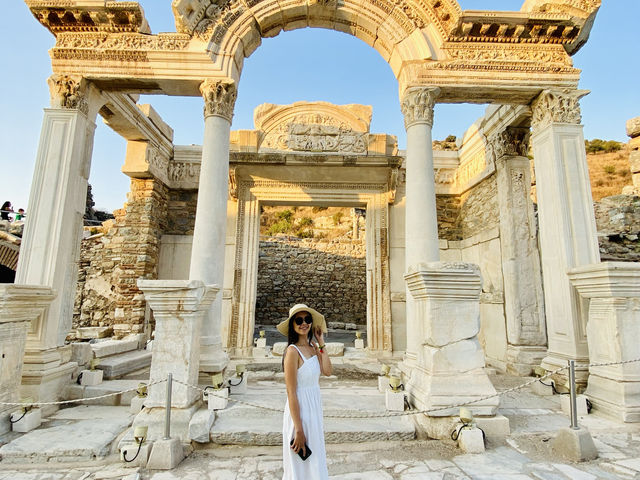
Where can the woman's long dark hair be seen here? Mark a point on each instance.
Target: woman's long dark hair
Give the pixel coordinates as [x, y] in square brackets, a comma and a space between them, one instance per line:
[292, 337]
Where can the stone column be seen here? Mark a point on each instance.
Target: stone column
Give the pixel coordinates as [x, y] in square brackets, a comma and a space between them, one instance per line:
[179, 306]
[612, 332]
[51, 241]
[567, 223]
[523, 294]
[207, 255]
[421, 219]
[19, 306]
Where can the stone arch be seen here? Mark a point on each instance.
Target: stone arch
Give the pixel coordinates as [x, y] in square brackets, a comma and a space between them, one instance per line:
[400, 30]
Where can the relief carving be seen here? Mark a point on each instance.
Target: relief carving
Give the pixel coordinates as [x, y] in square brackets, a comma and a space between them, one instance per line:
[219, 98]
[556, 106]
[184, 172]
[69, 92]
[417, 105]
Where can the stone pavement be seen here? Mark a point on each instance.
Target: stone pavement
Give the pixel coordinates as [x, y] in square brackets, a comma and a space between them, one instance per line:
[525, 454]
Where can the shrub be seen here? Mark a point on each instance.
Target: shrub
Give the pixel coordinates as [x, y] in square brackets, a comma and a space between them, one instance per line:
[609, 169]
[318, 209]
[336, 217]
[450, 138]
[281, 226]
[285, 215]
[305, 222]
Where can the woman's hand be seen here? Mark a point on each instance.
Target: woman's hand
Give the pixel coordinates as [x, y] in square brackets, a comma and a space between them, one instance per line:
[317, 332]
[298, 442]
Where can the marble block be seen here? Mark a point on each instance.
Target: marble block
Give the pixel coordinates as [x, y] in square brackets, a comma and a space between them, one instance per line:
[259, 352]
[238, 386]
[581, 404]
[543, 390]
[91, 377]
[200, 425]
[30, 421]
[471, 440]
[260, 342]
[394, 401]
[359, 343]
[166, 454]
[137, 404]
[383, 383]
[129, 450]
[218, 399]
[279, 348]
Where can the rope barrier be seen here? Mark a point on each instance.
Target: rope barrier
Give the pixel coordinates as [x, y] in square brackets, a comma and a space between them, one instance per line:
[333, 415]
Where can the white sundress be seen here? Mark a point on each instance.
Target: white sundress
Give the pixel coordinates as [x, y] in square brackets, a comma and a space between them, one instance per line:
[310, 404]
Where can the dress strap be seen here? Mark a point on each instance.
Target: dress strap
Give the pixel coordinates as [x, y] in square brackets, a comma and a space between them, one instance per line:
[303, 359]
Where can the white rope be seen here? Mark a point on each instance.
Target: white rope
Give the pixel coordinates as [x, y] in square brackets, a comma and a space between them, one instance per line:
[331, 415]
[76, 400]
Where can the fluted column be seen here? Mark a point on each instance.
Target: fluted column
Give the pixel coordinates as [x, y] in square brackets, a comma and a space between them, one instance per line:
[207, 255]
[421, 220]
[567, 223]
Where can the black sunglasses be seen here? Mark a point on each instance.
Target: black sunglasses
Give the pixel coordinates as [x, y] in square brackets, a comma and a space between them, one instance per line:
[306, 319]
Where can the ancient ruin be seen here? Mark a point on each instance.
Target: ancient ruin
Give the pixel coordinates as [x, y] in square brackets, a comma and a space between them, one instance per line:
[460, 271]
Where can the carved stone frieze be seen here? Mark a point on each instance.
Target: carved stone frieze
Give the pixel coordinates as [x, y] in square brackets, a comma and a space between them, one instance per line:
[417, 105]
[219, 98]
[184, 172]
[233, 183]
[109, 16]
[445, 176]
[512, 142]
[556, 106]
[68, 92]
[488, 52]
[158, 160]
[122, 41]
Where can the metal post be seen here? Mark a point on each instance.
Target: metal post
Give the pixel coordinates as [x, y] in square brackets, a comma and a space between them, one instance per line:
[572, 390]
[167, 420]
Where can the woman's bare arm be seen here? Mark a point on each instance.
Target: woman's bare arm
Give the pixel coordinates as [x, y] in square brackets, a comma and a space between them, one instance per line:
[291, 381]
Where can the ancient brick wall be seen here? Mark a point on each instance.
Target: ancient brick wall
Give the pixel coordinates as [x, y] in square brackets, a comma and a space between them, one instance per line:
[327, 276]
[181, 212]
[618, 223]
[448, 211]
[479, 208]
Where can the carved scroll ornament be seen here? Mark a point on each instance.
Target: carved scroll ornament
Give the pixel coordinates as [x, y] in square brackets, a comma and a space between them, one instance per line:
[417, 105]
[556, 106]
[512, 142]
[219, 98]
[68, 92]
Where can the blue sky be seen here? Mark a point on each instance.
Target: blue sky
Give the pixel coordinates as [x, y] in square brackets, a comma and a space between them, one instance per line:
[306, 64]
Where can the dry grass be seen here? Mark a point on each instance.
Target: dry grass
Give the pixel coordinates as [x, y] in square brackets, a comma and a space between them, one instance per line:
[326, 223]
[609, 172]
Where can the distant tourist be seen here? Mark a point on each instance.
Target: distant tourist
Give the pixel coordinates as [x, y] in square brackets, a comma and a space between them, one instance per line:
[6, 210]
[19, 215]
[304, 360]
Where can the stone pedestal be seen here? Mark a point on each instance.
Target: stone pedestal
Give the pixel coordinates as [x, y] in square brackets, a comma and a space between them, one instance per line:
[359, 343]
[20, 305]
[178, 307]
[613, 330]
[449, 367]
[91, 377]
[237, 385]
[394, 401]
[568, 239]
[471, 440]
[218, 399]
[260, 342]
[208, 252]
[30, 421]
[383, 383]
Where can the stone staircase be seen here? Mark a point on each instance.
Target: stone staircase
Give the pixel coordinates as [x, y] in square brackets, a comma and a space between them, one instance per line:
[247, 425]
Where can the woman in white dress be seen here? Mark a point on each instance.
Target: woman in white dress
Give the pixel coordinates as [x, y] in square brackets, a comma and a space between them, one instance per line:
[304, 361]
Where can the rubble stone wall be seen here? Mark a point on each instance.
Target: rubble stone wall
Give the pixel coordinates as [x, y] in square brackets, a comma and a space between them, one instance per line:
[479, 208]
[618, 224]
[448, 210]
[327, 276]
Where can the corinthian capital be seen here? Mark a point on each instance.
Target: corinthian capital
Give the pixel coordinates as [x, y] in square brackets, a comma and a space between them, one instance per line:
[417, 105]
[512, 142]
[68, 92]
[219, 98]
[556, 106]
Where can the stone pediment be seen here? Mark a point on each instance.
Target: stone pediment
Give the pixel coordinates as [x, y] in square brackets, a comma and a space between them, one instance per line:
[313, 127]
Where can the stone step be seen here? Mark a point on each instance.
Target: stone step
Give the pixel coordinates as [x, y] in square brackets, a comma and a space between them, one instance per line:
[78, 434]
[114, 347]
[75, 391]
[245, 425]
[116, 366]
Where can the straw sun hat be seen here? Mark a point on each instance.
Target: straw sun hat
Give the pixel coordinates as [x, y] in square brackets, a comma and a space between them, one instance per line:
[318, 319]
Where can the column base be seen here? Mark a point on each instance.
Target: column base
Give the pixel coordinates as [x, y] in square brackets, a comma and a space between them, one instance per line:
[426, 391]
[154, 418]
[45, 374]
[553, 361]
[615, 399]
[213, 359]
[522, 359]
